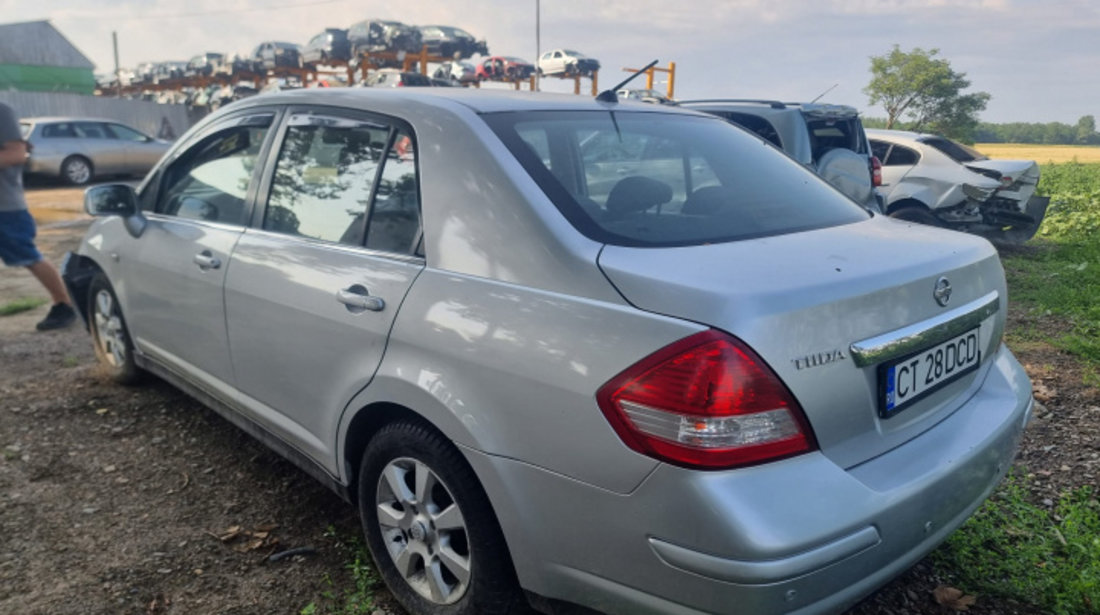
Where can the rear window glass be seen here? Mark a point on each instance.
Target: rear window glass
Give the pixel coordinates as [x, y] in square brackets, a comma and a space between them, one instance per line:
[646, 179]
[955, 151]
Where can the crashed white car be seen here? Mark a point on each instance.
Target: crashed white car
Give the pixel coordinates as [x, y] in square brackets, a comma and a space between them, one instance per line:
[934, 180]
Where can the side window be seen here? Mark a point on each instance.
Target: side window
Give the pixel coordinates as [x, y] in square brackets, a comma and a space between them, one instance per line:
[879, 149]
[755, 124]
[210, 180]
[902, 157]
[92, 130]
[324, 177]
[395, 217]
[58, 131]
[125, 133]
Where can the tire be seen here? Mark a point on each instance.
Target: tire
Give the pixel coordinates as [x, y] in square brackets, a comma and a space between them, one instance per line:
[916, 213]
[462, 570]
[110, 336]
[77, 170]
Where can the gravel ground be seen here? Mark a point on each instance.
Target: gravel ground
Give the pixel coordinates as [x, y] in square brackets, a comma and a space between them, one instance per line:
[140, 501]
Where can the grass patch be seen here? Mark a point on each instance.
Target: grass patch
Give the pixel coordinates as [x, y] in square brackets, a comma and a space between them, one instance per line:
[22, 304]
[1048, 557]
[1062, 279]
[359, 598]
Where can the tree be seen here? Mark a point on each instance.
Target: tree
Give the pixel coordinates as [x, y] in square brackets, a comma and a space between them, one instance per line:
[922, 88]
[1086, 128]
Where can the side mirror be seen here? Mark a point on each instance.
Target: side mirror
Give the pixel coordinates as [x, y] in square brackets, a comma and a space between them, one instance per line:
[115, 200]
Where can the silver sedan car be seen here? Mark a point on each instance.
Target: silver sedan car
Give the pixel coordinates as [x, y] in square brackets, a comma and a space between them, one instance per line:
[77, 150]
[561, 350]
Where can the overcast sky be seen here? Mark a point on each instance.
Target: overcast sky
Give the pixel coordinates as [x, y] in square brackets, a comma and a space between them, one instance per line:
[1040, 59]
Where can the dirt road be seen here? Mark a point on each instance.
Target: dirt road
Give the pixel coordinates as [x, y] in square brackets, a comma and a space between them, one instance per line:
[140, 501]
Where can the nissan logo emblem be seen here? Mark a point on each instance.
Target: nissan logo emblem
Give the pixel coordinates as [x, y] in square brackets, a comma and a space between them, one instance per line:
[942, 291]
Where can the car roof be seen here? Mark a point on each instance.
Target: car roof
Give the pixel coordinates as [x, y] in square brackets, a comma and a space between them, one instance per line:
[60, 118]
[479, 101]
[897, 135]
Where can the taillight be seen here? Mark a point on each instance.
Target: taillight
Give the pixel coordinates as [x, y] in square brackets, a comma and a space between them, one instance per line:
[706, 401]
[876, 171]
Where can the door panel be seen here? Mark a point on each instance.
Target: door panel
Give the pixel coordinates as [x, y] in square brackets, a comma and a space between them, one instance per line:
[298, 349]
[308, 307]
[176, 273]
[176, 309]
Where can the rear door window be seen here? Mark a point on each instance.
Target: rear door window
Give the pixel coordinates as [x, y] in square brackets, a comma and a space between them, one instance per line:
[755, 124]
[324, 177]
[901, 156]
[348, 181]
[653, 179]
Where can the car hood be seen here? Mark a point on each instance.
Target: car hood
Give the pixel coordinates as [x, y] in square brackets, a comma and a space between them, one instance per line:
[802, 300]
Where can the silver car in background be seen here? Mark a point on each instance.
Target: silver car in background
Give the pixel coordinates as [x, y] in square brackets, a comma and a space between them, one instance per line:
[561, 350]
[78, 150]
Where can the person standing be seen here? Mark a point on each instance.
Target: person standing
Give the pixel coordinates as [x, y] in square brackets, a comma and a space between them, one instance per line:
[17, 230]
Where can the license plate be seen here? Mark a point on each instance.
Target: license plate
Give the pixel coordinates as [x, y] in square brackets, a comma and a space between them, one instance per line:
[909, 379]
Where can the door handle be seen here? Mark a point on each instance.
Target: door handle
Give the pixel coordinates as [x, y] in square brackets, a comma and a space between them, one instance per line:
[206, 260]
[357, 300]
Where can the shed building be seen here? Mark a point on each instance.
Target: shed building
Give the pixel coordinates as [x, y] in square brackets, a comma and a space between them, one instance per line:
[36, 57]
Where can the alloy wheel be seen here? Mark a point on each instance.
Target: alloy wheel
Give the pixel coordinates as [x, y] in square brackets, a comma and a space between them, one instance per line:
[424, 530]
[110, 334]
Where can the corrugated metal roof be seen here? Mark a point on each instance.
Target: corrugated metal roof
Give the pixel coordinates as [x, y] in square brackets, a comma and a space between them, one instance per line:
[38, 43]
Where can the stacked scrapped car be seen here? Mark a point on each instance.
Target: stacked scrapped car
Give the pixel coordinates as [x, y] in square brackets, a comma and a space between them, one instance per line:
[828, 139]
[567, 62]
[934, 180]
[329, 46]
[377, 35]
[617, 355]
[452, 42]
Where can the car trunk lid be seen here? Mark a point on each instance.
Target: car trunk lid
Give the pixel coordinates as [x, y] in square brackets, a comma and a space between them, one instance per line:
[1019, 178]
[805, 301]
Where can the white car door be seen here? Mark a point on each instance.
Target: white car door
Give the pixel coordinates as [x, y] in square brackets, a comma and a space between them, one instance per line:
[314, 286]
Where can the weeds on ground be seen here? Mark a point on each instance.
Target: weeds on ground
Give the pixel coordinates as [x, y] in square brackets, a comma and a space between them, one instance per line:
[1062, 276]
[1048, 557]
[359, 599]
[22, 304]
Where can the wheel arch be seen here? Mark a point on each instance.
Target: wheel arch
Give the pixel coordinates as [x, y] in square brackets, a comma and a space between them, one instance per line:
[77, 272]
[906, 202]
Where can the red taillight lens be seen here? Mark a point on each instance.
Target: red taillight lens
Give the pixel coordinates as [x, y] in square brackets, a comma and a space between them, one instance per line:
[876, 171]
[706, 401]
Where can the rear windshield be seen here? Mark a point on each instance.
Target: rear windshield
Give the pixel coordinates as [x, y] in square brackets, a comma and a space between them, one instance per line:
[955, 151]
[650, 179]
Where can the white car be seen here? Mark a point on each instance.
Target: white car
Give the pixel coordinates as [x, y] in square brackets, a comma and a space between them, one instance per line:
[462, 72]
[933, 180]
[567, 62]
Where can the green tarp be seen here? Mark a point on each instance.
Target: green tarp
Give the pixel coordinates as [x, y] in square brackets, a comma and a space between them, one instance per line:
[46, 79]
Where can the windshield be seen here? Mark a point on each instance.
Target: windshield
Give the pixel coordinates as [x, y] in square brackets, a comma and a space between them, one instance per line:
[516, 60]
[955, 151]
[649, 179]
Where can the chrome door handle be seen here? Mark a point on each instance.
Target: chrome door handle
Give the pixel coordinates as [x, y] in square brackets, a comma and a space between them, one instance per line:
[206, 260]
[357, 300]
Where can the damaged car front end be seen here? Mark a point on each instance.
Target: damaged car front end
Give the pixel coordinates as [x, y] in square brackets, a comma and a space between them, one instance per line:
[933, 180]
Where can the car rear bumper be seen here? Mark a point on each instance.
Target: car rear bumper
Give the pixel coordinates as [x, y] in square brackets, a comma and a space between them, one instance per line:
[799, 535]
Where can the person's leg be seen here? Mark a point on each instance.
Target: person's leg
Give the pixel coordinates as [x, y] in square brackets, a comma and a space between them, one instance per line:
[49, 277]
[17, 249]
